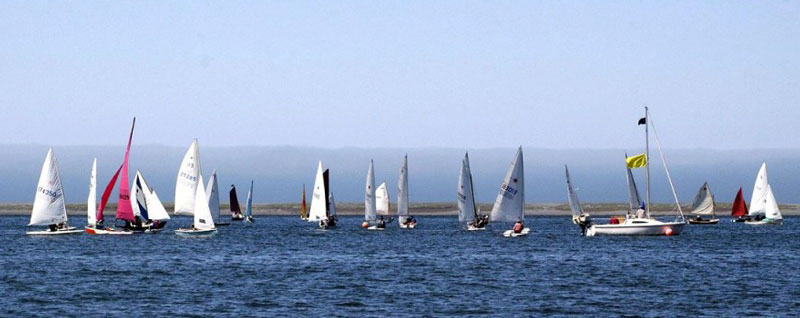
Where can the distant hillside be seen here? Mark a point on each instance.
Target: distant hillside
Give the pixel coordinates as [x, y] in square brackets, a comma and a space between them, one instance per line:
[280, 171]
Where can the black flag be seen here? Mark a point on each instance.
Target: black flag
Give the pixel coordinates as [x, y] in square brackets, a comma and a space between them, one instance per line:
[642, 121]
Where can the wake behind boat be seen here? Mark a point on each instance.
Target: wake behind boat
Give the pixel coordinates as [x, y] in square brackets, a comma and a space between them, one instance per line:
[48, 204]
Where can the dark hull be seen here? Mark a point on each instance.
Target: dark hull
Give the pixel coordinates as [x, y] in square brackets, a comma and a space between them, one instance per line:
[703, 221]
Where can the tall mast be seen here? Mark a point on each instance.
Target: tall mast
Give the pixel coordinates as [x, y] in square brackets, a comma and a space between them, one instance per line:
[647, 157]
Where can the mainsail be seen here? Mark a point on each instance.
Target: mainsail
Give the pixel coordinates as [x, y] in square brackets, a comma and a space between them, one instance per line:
[370, 213]
[402, 192]
[574, 203]
[703, 202]
[382, 200]
[234, 201]
[124, 210]
[212, 191]
[633, 193]
[466, 199]
[510, 203]
[739, 207]
[91, 202]
[248, 210]
[48, 204]
[187, 183]
[202, 215]
[772, 211]
[318, 202]
[759, 199]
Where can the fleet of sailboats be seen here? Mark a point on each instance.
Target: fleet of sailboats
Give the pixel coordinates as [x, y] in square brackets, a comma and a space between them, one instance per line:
[141, 210]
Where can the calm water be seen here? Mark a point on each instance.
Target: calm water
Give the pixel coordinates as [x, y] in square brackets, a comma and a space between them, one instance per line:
[281, 266]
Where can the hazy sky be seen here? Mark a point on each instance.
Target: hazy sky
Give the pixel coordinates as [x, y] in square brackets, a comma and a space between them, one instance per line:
[401, 73]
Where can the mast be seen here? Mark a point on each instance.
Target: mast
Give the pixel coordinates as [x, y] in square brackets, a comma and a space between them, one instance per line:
[647, 157]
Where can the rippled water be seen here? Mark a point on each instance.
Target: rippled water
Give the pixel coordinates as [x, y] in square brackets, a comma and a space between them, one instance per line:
[281, 266]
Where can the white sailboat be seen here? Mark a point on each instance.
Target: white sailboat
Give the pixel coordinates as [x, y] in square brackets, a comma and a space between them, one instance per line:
[763, 206]
[248, 210]
[382, 200]
[212, 190]
[48, 204]
[467, 208]
[203, 223]
[147, 206]
[578, 215]
[323, 210]
[510, 203]
[371, 221]
[187, 181]
[641, 223]
[91, 201]
[703, 204]
[405, 220]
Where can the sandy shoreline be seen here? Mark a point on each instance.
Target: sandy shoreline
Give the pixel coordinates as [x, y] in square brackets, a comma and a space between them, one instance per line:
[415, 209]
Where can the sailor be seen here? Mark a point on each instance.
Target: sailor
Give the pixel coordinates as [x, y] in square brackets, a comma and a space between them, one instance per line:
[53, 227]
[518, 227]
[381, 223]
[640, 214]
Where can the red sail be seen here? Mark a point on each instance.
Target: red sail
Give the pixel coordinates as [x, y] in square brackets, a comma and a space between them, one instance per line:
[739, 206]
[124, 210]
[106, 194]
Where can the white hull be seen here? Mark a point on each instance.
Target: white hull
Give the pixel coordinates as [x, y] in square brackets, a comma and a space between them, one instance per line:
[510, 233]
[408, 226]
[637, 227]
[376, 228]
[195, 233]
[473, 228]
[93, 231]
[765, 222]
[69, 230]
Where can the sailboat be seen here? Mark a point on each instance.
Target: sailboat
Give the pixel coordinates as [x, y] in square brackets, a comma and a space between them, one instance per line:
[48, 203]
[510, 203]
[703, 204]
[147, 206]
[124, 206]
[406, 221]
[763, 206]
[303, 212]
[640, 222]
[578, 216]
[248, 210]
[739, 208]
[382, 200]
[467, 208]
[371, 221]
[203, 223]
[212, 190]
[323, 210]
[236, 211]
[91, 201]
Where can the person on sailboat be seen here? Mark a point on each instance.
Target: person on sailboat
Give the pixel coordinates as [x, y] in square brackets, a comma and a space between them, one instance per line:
[640, 214]
[518, 227]
[381, 223]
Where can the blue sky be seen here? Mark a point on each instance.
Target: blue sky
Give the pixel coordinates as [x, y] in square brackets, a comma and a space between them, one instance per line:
[401, 73]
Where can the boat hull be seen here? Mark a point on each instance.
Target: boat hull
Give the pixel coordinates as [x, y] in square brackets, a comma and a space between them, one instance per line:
[511, 233]
[765, 222]
[195, 233]
[637, 229]
[475, 228]
[95, 231]
[703, 221]
[408, 226]
[69, 230]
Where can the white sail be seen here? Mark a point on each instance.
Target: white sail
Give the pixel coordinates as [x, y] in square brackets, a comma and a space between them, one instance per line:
[187, 183]
[91, 202]
[382, 200]
[703, 202]
[370, 213]
[48, 204]
[202, 214]
[155, 209]
[212, 190]
[137, 196]
[248, 210]
[402, 192]
[772, 211]
[332, 207]
[317, 211]
[759, 198]
[466, 199]
[633, 193]
[574, 203]
[510, 203]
